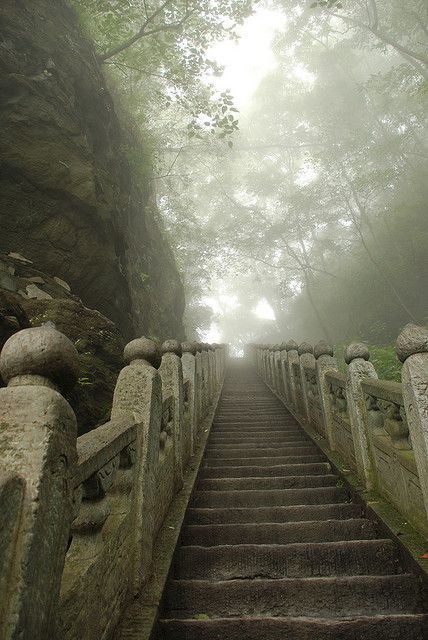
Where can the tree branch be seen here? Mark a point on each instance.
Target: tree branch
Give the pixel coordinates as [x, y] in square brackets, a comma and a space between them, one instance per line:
[144, 31]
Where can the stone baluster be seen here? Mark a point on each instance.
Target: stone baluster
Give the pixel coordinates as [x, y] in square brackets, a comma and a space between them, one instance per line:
[265, 355]
[171, 373]
[211, 373]
[199, 382]
[218, 352]
[324, 361]
[272, 366]
[204, 379]
[307, 361]
[356, 357]
[138, 396]
[284, 375]
[412, 350]
[277, 369]
[292, 358]
[188, 362]
[38, 443]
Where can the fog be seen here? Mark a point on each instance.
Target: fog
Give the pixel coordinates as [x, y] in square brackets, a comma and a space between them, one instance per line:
[296, 206]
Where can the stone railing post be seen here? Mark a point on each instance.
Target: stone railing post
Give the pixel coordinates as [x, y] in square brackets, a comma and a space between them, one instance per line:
[284, 375]
[277, 369]
[412, 350]
[38, 434]
[324, 361]
[272, 380]
[292, 358]
[138, 396]
[171, 373]
[356, 357]
[199, 382]
[188, 362]
[204, 378]
[211, 373]
[306, 361]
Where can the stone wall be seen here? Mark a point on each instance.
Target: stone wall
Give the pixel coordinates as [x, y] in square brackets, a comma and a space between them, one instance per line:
[68, 199]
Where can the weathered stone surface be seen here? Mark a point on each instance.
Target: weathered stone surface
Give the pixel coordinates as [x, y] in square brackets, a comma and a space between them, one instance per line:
[69, 200]
[142, 349]
[355, 351]
[291, 345]
[412, 349]
[33, 291]
[305, 347]
[413, 339]
[41, 351]
[171, 346]
[356, 356]
[322, 348]
[38, 444]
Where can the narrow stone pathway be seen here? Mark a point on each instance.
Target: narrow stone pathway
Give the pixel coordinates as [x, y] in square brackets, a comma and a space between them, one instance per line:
[272, 547]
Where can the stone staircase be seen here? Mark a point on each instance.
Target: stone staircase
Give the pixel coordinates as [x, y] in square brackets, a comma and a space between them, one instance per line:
[272, 546]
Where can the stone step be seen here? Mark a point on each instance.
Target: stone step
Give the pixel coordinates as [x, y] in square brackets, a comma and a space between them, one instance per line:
[280, 482]
[308, 456]
[316, 468]
[343, 596]
[316, 559]
[272, 498]
[250, 433]
[210, 535]
[377, 627]
[256, 440]
[291, 449]
[294, 513]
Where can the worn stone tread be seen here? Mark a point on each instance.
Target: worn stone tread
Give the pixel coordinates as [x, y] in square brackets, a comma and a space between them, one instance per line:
[293, 513]
[295, 560]
[379, 627]
[273, 548]
[278, 533]
[323, 597]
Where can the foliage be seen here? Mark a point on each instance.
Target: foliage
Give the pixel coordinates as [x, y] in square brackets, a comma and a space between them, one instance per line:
[158, 51]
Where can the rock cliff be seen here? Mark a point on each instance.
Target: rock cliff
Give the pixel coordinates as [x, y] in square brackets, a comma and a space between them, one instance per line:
[68, 198]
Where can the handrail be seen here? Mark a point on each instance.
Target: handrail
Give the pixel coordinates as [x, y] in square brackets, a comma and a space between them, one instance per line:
[80, 512]
[377, 428]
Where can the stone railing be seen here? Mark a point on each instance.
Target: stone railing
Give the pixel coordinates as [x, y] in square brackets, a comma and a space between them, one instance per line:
[80, 515]
[376, 428]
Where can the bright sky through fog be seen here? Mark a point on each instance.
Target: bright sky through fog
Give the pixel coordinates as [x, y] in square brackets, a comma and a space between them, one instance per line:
[247, 61]
[264, 310]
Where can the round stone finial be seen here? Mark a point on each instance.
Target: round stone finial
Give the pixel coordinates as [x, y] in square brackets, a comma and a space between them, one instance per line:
[171, 346]
[413, 339]
[356, 350]
[291, 345]
[40, 351]
[322, 348]
[188, 347]
[142, 349]
[304, 347]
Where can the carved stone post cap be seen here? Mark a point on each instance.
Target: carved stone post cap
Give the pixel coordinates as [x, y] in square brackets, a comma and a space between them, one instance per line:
[305, 347]
[40, 351]
[189, 347]
[142, 349]
[356, 350]
[322, 348]
[171, 346]
[291, 345]
[413, 339]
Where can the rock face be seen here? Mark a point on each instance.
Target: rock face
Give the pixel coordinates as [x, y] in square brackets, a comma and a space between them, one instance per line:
[68, 199]
[98, 342]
